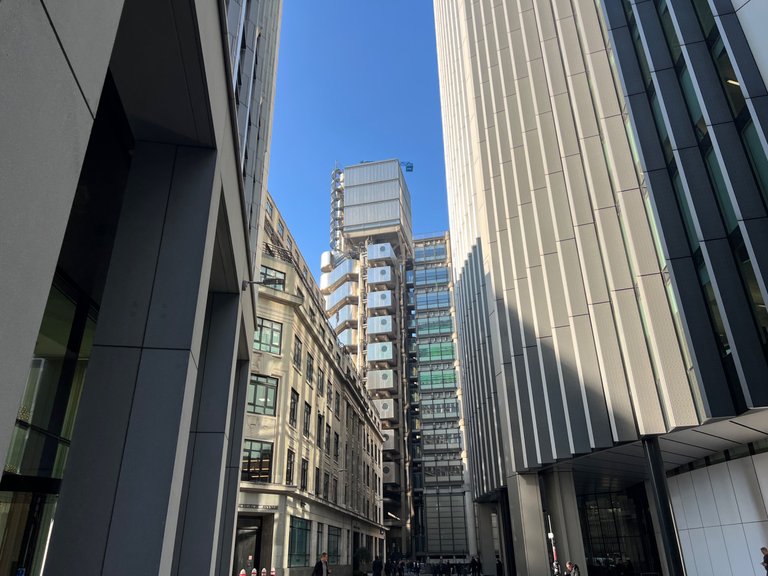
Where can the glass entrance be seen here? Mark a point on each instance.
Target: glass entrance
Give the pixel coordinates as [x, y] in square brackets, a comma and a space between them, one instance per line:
[618, 533]
[248, 544]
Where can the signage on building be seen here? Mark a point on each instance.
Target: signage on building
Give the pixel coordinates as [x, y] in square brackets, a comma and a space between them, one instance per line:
[258, 506]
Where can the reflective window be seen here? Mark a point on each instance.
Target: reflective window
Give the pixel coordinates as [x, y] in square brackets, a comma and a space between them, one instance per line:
[262, 395]
[268, 336]
[257, 461]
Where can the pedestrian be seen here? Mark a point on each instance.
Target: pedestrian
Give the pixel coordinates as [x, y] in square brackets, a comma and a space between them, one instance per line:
[377, 566]
[764, 550]
[321, 568]
[572, 569]
[499, 567]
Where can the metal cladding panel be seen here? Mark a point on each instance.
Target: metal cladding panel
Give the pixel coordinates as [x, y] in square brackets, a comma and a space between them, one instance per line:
[381, 379]
[391, 472]
[387, 408]
[381, 252]
[380, 351]
[390, 439]
[330, 279]
[371, 172]
[344, 314]
[346, 290]
[371, 193]
[382, 274]
[373, 215]
[380, 325]
[348, 338]
[381, 299]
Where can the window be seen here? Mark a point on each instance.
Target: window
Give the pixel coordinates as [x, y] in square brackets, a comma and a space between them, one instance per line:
[257, 461]
[289, 463]
[297, 353]
[330, 396]
[334, 545]
[320, 382]
[318, 487]
[280, 228]
[328, 439]
[335, 491]
[289, 242]
[269, 208]
[272, 278]
[292, 413]
[338, 402]
[326, 485]
[319, 431]
[268, 336]
[262, 393]
[298, 542]
[307, 416]
[304, 473]
[310, 369]
[320, 538]
[336, 446]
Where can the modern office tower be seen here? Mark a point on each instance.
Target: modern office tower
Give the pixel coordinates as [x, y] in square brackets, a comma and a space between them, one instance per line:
[443, 512]
[606, 168]
[311, 462]
[125, 335]
[363, 282]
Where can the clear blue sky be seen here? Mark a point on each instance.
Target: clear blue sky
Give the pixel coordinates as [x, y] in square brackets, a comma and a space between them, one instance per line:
[357, 80]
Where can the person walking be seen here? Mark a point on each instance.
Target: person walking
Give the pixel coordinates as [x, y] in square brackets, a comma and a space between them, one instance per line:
[572, 569]
[377, 566]
[321, 568]
[764, 551]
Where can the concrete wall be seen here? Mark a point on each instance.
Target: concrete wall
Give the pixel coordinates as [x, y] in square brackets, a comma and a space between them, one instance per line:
[721, 517]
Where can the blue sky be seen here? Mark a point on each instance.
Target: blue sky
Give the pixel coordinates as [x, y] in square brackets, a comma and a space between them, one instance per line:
[357, 80]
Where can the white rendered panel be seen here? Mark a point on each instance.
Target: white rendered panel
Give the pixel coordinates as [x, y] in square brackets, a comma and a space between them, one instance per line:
[677, 502]
[718, 554]
[705, 498]
[701, 553]
[739, 556]
[747, 489]
[688, 498]
[727, 507]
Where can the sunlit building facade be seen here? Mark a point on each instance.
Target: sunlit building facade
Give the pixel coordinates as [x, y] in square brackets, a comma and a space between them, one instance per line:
[311, 475]
[606, 168]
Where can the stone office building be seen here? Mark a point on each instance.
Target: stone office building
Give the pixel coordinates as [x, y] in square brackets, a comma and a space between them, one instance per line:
[312, 453]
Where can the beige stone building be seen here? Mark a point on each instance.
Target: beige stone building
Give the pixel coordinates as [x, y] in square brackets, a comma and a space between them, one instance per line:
[311, 476]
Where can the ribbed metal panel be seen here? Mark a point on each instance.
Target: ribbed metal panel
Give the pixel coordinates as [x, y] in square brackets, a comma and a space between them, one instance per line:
[371, 172]
[381, 380]
[387, 409]
[380, 275]
[380, 300]
[381, 252]
[380, 325]
[381, 352]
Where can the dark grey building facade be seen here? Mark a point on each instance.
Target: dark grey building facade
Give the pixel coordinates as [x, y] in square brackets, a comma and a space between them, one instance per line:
[606, 169]
[131, 172]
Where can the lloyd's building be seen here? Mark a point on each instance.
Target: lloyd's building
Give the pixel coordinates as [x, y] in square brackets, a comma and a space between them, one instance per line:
[608, 193]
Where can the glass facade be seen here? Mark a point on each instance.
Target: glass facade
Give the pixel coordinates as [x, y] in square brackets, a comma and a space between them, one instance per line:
[298, 542]
[439, 522]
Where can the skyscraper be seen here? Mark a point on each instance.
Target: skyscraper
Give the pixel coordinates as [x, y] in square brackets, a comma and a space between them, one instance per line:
[363, 282]
[133, 139]
[605, 165]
